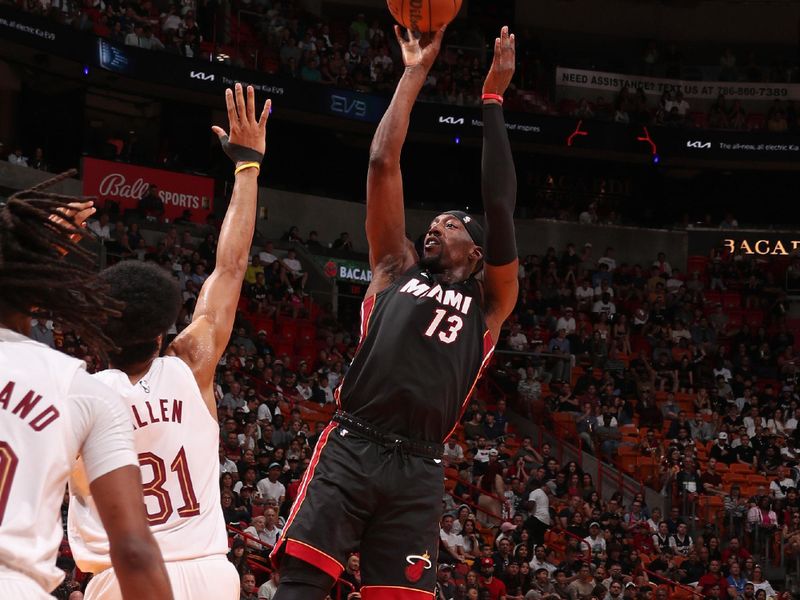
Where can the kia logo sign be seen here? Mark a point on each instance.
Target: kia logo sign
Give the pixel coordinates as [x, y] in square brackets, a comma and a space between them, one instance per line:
[452, 120]
[115, 184]
[699, 144]
[202, 76]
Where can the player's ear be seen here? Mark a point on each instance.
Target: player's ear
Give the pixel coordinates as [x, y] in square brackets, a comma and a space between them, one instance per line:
[476, 253]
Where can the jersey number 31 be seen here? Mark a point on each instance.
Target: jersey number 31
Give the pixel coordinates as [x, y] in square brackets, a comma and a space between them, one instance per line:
[155, 487]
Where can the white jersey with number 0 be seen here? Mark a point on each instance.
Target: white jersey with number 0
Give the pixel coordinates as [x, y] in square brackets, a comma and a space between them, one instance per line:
[51, 410]
[177, 441]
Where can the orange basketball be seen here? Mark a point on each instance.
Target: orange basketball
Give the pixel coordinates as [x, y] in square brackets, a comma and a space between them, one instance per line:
[424, 15]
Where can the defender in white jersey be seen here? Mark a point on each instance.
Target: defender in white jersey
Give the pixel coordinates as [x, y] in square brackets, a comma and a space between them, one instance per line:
[51, 410]
[170, 399]
[176, 438]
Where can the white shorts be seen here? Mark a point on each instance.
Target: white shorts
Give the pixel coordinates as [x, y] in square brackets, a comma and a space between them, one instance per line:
[22, 587]
[209, 578]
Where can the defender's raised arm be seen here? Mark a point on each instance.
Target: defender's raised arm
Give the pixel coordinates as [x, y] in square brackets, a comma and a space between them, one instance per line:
[202, 343]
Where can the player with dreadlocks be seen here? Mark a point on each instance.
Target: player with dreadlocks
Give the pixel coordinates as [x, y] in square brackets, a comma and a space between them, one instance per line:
[51, 410]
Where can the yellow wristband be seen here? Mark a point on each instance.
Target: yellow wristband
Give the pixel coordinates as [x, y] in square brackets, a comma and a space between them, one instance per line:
[250, 165]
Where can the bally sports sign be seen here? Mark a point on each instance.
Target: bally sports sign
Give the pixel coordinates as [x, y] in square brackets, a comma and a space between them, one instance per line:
[125, 184]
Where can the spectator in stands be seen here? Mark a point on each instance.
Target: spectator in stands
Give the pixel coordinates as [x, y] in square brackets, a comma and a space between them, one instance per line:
[249, 591]
[761, 584]
[150, 204]
[496, 589]
[270, 488]
[294, 272]
[711, 481]
[38, 161]
[343, 242]
[762, 517]
[567, 322]
[17, 158]
[452, 545]
[269, 588]
[681, 542]
[721, 451]
[517, 340]
[538, 507]
[238, 555]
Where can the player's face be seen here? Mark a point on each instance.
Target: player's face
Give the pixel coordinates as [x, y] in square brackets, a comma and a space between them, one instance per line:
[447, 244]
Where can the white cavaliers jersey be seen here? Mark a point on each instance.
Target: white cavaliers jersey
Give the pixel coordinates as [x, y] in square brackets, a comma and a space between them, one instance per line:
[51, 410]
[177, 440]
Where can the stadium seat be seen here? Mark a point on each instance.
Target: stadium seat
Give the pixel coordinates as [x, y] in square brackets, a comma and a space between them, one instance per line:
[698, 264]
[731, 300]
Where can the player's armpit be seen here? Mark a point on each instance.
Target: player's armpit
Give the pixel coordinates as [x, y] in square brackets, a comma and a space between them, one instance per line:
[385, 271]
[135, 555]
[501, 290]
[199, 347]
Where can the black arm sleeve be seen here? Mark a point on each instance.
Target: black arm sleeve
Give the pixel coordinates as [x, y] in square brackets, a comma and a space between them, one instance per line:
[499, 188]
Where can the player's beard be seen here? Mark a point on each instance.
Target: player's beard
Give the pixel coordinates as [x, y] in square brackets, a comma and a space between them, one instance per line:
[432, 262]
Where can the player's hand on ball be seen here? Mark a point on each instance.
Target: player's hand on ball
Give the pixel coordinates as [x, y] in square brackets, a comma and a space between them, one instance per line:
[503, 64]
[420, 51]
[245, 130]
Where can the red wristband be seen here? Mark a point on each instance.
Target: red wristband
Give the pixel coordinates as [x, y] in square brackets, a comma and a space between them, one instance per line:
[497, 97]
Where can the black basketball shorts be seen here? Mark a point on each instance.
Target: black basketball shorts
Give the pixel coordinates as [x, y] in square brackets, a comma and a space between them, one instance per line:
[360, 496]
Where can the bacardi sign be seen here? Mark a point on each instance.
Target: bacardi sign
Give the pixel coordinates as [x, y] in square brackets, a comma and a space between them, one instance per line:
[761, 247]
[125, 184]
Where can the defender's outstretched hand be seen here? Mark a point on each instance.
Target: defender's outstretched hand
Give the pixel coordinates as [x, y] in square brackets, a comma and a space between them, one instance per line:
[503, 64]
[421, 51]
[246, 133]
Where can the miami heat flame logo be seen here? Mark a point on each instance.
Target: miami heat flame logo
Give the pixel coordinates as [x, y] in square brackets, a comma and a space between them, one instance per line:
[416, 565]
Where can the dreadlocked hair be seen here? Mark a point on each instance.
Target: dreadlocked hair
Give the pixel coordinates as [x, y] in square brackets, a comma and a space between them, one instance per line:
[38, 280]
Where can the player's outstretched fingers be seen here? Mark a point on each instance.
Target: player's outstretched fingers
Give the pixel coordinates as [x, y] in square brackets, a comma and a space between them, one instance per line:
[398, 32]
[251, 105]
[231, 107]
[240, 107]
[219, 131]
[262, 121]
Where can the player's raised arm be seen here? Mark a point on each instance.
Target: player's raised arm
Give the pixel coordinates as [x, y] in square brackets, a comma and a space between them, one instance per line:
[202, 343]
[499, 189]
[390, 252]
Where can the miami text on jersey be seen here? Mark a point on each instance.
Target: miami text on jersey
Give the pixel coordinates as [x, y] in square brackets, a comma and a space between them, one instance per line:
[444, 297]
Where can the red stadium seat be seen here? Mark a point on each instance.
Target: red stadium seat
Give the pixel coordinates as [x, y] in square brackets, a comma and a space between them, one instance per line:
[731, 300]
[754, 318]
[699, 119]
[755, 121]
[712, 297]
[697, 263]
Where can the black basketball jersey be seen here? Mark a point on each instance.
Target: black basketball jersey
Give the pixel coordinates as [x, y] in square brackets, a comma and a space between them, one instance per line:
[423, 347]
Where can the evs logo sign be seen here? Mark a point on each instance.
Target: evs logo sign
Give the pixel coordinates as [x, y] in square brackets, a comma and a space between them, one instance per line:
[452, 120]
[201, 76]
[699, 144]
[349, 107]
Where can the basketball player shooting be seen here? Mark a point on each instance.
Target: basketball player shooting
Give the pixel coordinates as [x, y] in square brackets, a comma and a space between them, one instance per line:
[170, 399]
[429, 325]
[51, 409]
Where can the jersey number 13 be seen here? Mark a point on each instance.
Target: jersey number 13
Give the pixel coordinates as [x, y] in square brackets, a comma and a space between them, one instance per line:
[446, 331]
